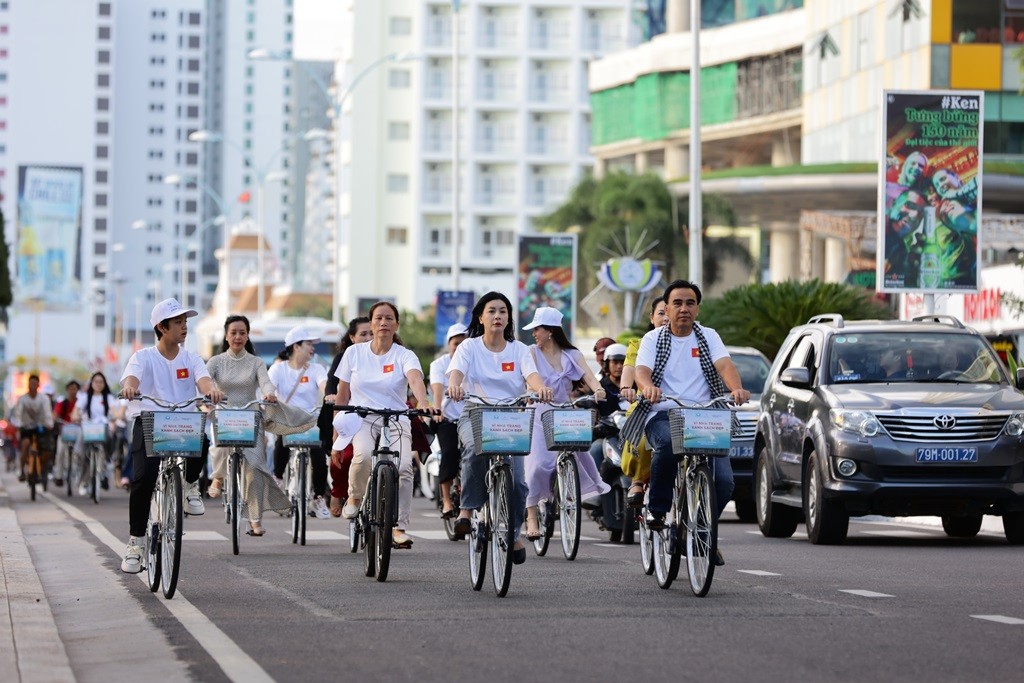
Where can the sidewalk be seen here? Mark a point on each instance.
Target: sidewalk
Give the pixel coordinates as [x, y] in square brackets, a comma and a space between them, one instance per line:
[30, 646]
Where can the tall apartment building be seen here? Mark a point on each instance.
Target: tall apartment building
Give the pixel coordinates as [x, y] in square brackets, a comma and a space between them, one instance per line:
[106, 91]
[524, 133]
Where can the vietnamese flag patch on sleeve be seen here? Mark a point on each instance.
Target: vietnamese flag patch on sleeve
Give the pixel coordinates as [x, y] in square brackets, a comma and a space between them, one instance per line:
[695, 352]
[304, 379]
[508, 367]
[389, 368]
[182, 373]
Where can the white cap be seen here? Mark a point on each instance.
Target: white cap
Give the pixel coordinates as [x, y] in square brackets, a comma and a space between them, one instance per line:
[545, 315]
[615, 351]
[347, 425]
[169, 308]
[456, 330]
[299, 333]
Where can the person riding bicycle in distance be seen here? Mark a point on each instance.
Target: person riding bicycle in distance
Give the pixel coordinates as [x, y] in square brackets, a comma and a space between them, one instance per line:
[689, 362]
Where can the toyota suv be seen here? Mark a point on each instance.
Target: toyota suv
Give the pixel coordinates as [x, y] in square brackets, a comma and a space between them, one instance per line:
[895, 418]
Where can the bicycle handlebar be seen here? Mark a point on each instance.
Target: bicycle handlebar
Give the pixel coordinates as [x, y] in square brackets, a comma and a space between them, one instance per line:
[528, 396]
[725, 400]
[363, 411]
[575, 403]
[167, 404]
[256, 402]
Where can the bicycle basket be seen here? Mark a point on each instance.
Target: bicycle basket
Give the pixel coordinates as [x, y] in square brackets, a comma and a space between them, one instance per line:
[568, 430]
[307, 439]
[700, 431]
[94, 432]
[171, 434]
[237, 428]
[502, 430]
[70, 433]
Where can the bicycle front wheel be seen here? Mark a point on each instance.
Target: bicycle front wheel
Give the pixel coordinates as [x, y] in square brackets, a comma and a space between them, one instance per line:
[96, 465]
[303, 496]
[73, 472]
[546, 522]
[449, 522]
[235, 501]
[170, 536]
[701, 521]
[569, 506]
[646, 542]
[152, 539]
[502, 529]
[386, 513]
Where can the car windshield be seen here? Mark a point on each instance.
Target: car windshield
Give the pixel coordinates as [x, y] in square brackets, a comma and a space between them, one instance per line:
[911, 357]
[753, 369]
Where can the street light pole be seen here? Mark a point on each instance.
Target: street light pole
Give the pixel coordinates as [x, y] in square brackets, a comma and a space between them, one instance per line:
[696, 250]
[455, 144]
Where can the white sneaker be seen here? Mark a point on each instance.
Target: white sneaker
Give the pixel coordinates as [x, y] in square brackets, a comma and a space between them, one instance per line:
[194, 500]
[318, 506]
[83, 490]
[132, 562]
[350, 511]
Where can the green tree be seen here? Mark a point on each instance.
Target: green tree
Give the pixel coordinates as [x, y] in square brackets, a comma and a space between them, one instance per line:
[762, 315]
[6, 294]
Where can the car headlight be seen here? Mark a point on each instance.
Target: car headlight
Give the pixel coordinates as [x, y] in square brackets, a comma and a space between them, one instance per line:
[1015, 425]
[856, 422]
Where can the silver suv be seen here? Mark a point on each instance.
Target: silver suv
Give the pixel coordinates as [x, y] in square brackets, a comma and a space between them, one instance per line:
[891, 418]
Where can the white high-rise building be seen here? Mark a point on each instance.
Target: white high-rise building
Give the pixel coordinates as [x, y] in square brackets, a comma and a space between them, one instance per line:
[524, 131]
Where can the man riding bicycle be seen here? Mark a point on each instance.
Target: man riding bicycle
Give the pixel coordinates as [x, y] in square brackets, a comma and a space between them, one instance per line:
[33, 414]
[689, 362]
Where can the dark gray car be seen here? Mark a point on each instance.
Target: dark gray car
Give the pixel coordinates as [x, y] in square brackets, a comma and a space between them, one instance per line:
[753, 368]
[890, 418]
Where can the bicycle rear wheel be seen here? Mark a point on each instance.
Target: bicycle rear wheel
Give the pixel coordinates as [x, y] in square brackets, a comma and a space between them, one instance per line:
[303, 495]
[701, 521]
[546, 512]
[478, 547]
[96, 466]
[386, 516]
[449, 522]
[569, 505]
[502, 529]
[667, 549]
[646, 542]
[235, 501]
[73, 472]
[152, 540]
[170, 536]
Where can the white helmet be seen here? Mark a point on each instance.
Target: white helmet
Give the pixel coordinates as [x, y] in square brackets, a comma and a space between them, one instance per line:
[615, 352]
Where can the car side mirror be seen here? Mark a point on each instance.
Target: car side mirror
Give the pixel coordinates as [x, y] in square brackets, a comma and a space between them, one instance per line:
[796, 377]
[1020, 378]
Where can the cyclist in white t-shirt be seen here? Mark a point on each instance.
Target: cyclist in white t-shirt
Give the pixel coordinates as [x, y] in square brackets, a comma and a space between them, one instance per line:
[378, 374]
[301, 383]
[170, 373]
[493, 364]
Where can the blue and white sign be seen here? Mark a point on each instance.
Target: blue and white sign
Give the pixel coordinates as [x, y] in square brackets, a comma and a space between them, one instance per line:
[177, 433]
[707, 432]
[94, 432]
[572, 426]
[234, 428]
[505, 432]
[307, 439]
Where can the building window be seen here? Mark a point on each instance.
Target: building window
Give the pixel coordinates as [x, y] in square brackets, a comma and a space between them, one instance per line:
[103, 56]
[397, 235]
[193, 18]
[102, 151]
[192, 112]
[193, 65]
[193, 42]
[400, 26]
[101, 176]
[104, 9]
[103, 33]
[398, 130]
[102, 127]
[103, 80]
[398, 182]
[399, 78]
[193, 88]
[100, 225]
[99, 248]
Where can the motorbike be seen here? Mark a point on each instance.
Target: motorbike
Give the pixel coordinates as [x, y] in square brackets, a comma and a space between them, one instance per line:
[615, 517]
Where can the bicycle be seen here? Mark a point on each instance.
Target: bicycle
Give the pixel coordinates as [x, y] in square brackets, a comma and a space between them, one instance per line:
[298, 478]
[94, 445]
[502, 428]
[698, 433]
[171, 435]
[236, 428]
[66, 463]
[432, 465]
[35, 460]
[375, 521]
[567, 431]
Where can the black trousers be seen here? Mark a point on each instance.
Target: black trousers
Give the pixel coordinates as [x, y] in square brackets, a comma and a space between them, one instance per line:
[144, 473]
[451, 457]
[316, 458]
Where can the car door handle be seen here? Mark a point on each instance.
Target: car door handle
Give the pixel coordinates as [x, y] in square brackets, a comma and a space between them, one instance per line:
[789, 406]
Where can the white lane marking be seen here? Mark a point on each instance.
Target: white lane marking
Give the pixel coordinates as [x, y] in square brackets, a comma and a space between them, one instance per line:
[321, 535]
[866, 594]
[999, 619]
[796, 534]
[904, 533]
[610, 545]
[204, 536]
[236, 664]
[757, 572]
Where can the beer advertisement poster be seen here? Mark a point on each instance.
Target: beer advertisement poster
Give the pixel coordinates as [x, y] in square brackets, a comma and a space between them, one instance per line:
[929, 197]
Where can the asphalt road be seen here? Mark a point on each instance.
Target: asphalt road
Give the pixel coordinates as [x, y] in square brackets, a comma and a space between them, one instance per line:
[897, 602]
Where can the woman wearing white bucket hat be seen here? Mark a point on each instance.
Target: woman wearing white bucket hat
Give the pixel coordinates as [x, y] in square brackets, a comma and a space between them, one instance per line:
[559, 364]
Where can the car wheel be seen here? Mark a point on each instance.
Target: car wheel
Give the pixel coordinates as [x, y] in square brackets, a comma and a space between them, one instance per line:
[827, 520]
[745, 510]
[1013, 527]
[774, 519]
[966, 526]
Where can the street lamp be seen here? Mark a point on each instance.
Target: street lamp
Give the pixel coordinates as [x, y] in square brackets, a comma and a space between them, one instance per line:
[336, 102]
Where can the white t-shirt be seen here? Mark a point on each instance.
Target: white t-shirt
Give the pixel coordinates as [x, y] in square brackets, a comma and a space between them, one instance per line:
[439, 375]
[683, 377]
[377, 381]
[310, 379]
[168, 380]
[96, 413]
[493, 375]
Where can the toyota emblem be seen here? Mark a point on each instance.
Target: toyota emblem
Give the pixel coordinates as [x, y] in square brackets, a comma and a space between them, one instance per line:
[945, 422]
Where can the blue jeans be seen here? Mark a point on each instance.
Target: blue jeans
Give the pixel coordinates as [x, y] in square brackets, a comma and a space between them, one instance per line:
[474, 469]
[664, 466]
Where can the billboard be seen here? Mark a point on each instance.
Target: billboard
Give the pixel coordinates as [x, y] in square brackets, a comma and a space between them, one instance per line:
[546, 276]
[929, 198]
[451, 307]
[49, 236]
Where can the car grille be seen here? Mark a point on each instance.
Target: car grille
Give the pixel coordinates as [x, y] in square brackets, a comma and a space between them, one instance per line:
[923, 428]
[951, 474]
[748, 424]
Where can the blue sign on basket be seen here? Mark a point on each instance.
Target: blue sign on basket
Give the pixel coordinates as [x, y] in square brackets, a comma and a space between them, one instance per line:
[94, 432]
[177, 432]
[707, 431]
[70, 433]
[505, 431]
[310, 437]
[572, 426]
[234, 426]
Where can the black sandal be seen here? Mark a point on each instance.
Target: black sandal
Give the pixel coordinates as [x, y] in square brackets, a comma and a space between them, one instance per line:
[635, 499]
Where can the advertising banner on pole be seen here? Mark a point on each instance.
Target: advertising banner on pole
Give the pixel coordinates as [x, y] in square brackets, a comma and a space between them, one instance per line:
[929, 197]
[546, 277]
[451, 307]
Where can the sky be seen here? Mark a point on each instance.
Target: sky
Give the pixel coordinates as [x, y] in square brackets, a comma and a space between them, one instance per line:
[318, 27]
